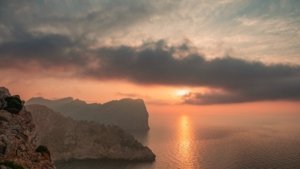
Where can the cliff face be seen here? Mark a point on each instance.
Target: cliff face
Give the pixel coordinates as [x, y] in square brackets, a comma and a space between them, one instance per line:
[129, 114]
[18, 149]
[67, 138]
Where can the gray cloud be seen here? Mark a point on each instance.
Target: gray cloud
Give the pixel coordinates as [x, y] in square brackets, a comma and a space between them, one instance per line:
[158, 63]
[46, 51]
[241, 80]
[84, 20]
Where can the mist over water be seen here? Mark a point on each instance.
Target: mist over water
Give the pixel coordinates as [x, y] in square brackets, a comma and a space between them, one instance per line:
[214, 141]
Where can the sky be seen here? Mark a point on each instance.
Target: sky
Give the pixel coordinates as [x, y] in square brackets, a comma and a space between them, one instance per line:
[177, 55]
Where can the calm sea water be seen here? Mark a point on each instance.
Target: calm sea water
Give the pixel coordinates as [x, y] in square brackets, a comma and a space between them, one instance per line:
[214, 141]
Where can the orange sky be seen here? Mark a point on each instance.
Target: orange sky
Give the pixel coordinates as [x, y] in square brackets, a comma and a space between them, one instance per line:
[159, 99]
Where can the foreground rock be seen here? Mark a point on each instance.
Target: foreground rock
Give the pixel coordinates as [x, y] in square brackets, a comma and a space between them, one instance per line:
[70, 139]
[4, 92]
[18, 137]
[129, 114]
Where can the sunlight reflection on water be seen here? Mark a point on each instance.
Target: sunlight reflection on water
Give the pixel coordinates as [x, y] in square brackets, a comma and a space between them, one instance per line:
[185, 146]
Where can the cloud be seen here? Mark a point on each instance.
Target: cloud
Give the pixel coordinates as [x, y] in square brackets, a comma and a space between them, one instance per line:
[55, 34]
[206, 24]
[241, 80]
[45, 51]
[159, 63]
[84, 20]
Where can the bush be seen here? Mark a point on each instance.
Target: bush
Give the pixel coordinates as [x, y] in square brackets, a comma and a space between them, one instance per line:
[11, 165]
[42, 149]
[13, 104]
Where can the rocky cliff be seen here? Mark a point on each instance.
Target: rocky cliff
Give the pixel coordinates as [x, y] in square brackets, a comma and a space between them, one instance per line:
[129, 114]
[18, 148]
[67, 138]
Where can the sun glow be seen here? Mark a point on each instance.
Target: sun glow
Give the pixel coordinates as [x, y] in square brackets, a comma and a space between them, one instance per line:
[182, 92]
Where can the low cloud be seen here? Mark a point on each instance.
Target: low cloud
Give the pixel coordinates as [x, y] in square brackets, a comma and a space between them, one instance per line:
[241, 80]
[159, 63]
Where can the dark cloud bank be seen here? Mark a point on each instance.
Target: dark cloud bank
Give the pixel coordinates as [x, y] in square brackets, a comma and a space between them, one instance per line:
[21, 47]
[241, 80]
[158, 63]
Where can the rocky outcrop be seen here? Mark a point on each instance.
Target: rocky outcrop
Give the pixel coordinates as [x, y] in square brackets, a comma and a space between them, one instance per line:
[129, 114]
[4, 92]
[18, 137]
[70, 139]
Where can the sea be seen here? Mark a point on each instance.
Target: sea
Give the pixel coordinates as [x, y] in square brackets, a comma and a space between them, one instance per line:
[214, 141]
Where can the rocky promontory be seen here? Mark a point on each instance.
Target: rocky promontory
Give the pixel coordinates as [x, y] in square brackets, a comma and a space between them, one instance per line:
[67, 138]
[129, 114]
[18, 137]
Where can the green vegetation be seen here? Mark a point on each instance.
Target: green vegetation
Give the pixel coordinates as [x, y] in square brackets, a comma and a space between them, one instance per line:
[11, 165]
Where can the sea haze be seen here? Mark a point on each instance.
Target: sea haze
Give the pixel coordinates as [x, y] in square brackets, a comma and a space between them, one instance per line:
[214, 141]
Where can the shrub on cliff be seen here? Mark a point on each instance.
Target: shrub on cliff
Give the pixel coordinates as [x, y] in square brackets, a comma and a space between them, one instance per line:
[42, 149]
[13, 104]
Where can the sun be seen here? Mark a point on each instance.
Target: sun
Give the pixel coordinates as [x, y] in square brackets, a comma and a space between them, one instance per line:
[182, 92]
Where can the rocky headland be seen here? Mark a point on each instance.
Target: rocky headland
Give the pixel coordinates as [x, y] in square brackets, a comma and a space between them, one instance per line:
[67, 138]
[129, 114]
